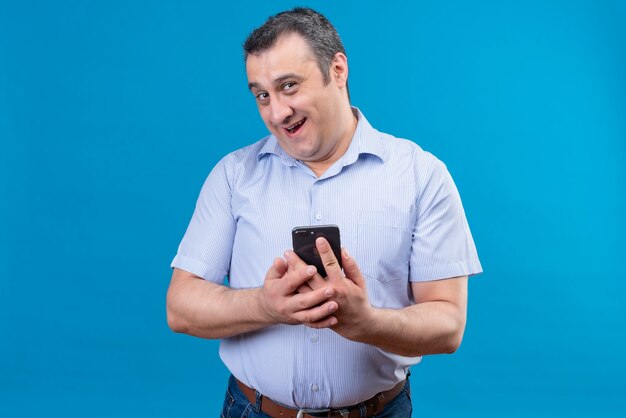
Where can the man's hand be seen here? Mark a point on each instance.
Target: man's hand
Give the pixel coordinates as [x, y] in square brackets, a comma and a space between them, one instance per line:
[433, 325]
[287, 298]
[350, 292]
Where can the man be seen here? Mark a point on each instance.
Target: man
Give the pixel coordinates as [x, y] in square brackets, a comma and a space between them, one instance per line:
[298, 344]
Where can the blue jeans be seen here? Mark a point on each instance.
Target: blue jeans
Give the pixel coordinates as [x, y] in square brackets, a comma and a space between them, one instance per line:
[236, 405]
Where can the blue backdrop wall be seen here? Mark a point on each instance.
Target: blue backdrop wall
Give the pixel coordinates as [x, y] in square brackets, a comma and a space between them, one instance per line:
[112, 114]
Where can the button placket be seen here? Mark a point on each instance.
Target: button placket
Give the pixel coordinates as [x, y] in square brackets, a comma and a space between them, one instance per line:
[316, 211]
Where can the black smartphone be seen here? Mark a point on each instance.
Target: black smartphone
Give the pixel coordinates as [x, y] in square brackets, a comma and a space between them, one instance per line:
[304, 244]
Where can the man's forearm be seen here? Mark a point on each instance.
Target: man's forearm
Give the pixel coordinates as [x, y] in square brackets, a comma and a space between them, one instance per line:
[208, 310]
[425, 328]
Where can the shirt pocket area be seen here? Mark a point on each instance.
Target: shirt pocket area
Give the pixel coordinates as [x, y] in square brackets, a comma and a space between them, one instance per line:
[384, 244]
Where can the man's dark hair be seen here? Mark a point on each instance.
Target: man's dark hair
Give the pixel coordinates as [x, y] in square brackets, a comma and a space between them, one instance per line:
[317, 31]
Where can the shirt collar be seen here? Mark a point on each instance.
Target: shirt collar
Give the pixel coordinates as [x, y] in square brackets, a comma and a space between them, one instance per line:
[366, 140]
[272, 146]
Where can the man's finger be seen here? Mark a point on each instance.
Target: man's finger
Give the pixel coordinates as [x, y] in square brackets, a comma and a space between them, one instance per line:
[351, 269]
[295, 279]
[331, 265]
[317, 314]
[277, 270]
[310, 300]
[317, 282]
[294, 262]
[327, 322]
[305, 288]
[298, 272]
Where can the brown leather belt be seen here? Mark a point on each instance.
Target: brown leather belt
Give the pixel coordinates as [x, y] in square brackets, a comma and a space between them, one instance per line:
[373, 405]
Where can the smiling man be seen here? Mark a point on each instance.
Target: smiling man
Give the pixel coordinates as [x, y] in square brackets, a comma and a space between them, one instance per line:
[298, 344]
[309, 114]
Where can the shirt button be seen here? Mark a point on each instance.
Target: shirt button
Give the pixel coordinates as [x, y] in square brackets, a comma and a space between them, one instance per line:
[315, 388]
[314, 338]
[318, 216]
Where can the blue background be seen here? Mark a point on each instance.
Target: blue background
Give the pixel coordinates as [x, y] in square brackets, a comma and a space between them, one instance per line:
[113, 113]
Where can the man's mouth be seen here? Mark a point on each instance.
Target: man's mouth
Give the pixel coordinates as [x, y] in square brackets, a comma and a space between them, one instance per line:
[296, 126]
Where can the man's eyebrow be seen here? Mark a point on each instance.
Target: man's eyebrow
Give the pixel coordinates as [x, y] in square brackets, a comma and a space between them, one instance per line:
[277, 80]
[282, 78]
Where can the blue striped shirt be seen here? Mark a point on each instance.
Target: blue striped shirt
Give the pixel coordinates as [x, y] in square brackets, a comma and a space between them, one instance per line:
[400, 217]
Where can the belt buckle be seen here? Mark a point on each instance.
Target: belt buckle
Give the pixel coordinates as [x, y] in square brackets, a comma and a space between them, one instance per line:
[301, 412]
[344, 412]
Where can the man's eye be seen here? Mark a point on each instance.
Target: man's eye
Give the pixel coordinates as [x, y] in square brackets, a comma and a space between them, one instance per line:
[262, 96]
[289, 86]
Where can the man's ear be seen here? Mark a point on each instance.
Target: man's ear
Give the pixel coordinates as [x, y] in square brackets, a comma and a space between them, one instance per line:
[339, 70]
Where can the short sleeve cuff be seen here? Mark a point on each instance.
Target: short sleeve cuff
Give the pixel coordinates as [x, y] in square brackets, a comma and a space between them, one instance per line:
[198, 268]
[446, 271]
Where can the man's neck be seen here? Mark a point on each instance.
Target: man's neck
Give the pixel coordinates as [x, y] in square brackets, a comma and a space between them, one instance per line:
[351, 122]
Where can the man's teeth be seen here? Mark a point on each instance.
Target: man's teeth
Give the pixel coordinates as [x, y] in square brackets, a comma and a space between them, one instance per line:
[294, 127]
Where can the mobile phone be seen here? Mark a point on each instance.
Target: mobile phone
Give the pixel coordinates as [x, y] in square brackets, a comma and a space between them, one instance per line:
[304, 244]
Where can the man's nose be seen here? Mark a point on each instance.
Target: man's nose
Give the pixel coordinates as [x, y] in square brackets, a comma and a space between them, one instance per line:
[279, 112]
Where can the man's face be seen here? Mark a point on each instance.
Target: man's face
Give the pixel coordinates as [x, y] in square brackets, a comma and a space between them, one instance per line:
[303, 112]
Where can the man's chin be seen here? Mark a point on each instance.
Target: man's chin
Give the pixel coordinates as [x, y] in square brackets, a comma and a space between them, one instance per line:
[292, 148]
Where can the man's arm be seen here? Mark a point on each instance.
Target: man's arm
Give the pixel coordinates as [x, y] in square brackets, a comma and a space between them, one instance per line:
[209, 310]
[435, 324]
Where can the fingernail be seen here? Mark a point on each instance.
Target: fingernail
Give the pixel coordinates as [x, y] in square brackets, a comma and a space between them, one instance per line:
[333, 321]
[311, 270]
[345, 252]
[328, 291]
[320, 241]
[332, 307]
[287, 254]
